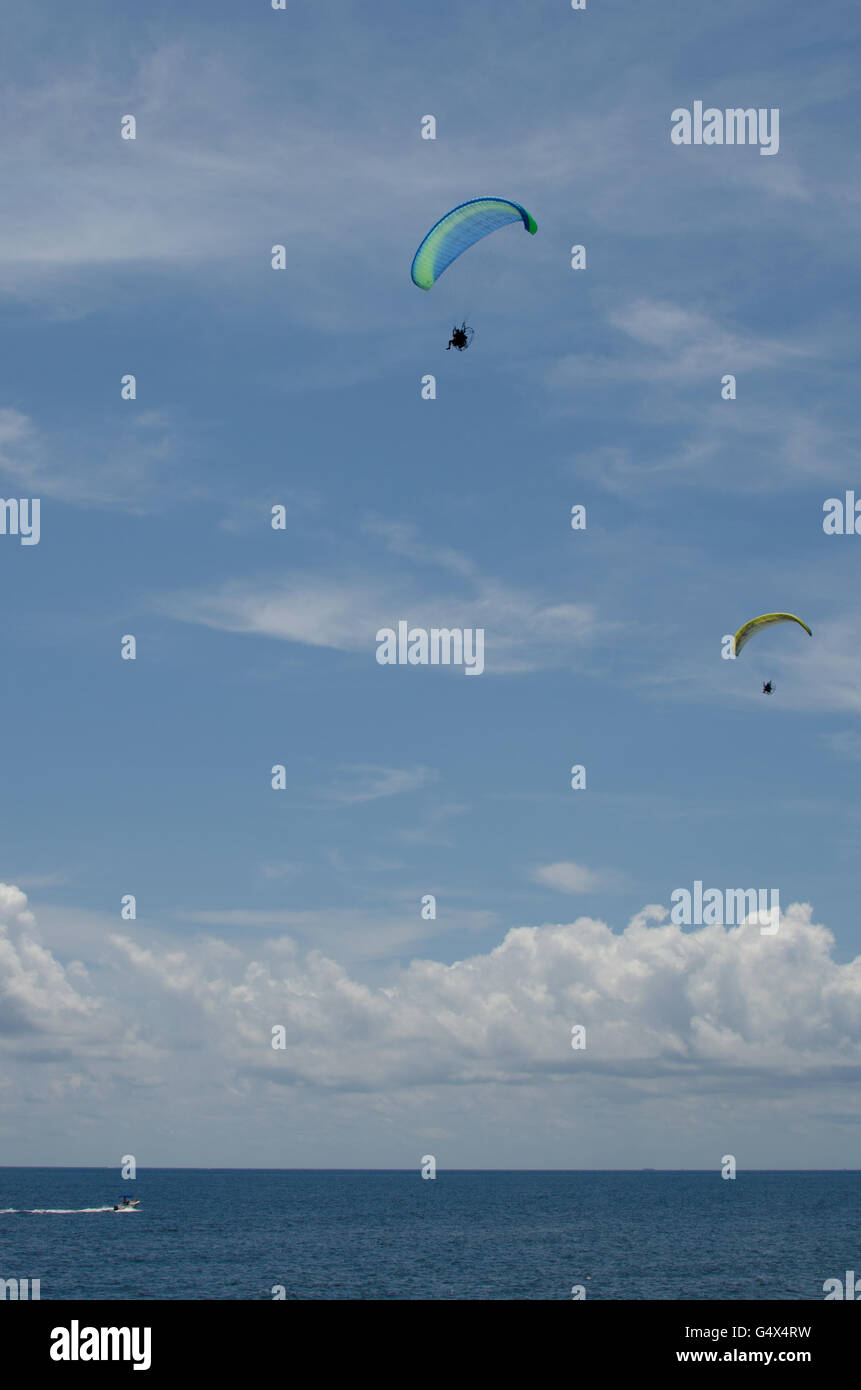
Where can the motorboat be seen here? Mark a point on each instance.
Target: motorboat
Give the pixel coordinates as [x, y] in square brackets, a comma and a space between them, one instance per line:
[127, 1204]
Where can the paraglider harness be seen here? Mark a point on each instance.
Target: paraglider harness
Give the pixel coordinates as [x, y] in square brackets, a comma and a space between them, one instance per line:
[460, 338]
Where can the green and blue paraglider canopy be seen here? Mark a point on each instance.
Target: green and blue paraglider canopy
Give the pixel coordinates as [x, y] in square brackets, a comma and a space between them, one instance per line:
[460, 229]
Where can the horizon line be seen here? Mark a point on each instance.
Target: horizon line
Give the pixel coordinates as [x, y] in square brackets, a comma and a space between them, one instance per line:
[187, 1168]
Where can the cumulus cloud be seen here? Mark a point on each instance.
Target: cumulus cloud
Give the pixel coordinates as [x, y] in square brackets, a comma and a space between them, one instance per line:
[37, 997]
[673, 1018]
[657, 1002]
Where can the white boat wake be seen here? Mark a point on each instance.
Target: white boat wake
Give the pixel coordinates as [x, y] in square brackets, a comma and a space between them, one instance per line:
[53, 1211]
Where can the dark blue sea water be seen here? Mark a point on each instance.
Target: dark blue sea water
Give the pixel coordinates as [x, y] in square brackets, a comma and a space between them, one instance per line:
[216, 1234]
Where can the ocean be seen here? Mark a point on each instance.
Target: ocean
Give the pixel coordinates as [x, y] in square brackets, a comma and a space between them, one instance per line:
[229, 1234]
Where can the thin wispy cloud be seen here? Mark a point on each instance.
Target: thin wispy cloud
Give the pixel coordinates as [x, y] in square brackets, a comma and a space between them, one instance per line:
[436, 827]
[523, 632]
[369, 783]
[132, 469]
[403, 538]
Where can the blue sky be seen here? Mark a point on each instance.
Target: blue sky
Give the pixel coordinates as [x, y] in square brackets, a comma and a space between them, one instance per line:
[256, 647]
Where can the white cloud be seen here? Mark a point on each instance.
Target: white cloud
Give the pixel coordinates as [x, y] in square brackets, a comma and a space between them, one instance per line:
[37, 998]
[523, 632]
[355, 935]
[653, 999]
[656, 1001]
[124, 470]
[402, 538]
[283, 871]
[673, 1018]
[669, 355]
[433, 828]
[694, 344]
[569, 878]
[368, 782]
[723, 446]
[683, 345]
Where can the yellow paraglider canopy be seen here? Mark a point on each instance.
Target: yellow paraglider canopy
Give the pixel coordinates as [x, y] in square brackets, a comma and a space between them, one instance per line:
[747, 630]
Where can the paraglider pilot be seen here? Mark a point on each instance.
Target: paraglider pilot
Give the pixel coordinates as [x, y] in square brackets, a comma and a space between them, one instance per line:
[460, 338]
